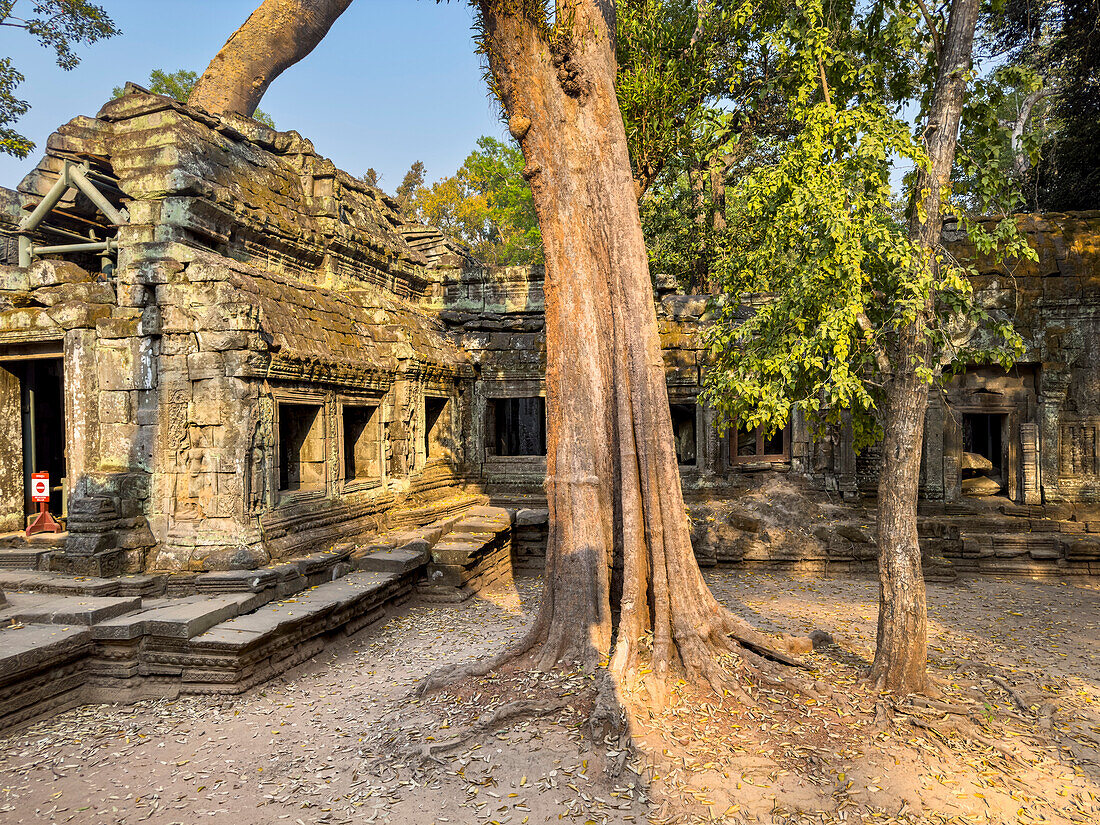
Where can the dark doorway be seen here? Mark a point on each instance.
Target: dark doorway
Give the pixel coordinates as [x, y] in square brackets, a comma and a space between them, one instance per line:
[983, 435]
[42, 409]
[516, 426]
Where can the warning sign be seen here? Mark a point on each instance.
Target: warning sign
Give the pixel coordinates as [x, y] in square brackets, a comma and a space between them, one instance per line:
[40, 487]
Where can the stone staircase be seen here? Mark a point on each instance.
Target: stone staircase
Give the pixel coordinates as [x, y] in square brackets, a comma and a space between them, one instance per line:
[72, 640]
[474, 555]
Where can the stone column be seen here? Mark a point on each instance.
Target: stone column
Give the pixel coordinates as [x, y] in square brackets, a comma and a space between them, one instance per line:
[1029, 465]
[1052, 394]
[933, 463]
[11, 454]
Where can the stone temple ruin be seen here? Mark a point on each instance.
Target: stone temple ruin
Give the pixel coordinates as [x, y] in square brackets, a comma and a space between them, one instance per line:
[247, 374]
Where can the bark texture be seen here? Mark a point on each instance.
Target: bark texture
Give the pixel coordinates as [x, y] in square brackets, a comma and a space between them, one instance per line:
[274, 37]
[902, 644]
[613, 485]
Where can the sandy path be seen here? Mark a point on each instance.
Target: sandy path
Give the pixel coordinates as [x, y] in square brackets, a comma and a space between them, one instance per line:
[311, 747]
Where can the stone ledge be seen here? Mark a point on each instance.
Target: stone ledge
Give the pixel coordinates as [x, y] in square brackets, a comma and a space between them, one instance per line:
[68, 610]
[199, 644]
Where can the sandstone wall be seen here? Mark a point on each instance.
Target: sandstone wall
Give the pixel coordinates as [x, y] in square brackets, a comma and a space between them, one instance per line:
[254, 283]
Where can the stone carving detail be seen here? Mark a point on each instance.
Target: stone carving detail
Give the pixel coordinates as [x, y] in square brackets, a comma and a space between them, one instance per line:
[1029, 465]
[1078, 449]
[261, 444]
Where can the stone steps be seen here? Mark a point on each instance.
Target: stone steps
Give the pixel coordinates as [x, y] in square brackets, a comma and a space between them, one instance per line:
[32, 608]
[43, 671]
[205, 642]
[23, 558]
[1032, 554]
[41, 582]
[224, 632]
[225, 645]
[474, 555]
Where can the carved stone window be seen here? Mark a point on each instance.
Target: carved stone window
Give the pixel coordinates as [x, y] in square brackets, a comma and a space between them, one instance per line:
[758, 445]
[362, 442]
[515, 426]
[301, 446]
[436, 426]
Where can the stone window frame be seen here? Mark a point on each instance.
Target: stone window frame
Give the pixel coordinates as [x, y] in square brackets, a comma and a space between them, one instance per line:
[488, 437]
[682, 398]
[356, 484]
[495, 390]
[449, 403]
[675, 400]
[760, 459]
[288, 396]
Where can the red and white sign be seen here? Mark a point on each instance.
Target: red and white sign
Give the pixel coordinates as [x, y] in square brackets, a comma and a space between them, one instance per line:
[40, 487]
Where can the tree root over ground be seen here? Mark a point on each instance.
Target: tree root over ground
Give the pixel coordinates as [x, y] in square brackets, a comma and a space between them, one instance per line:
[757, 749]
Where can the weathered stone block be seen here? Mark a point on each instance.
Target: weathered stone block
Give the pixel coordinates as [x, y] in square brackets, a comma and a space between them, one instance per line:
[78, 315]
[115, 327]
[91, 293]
[1045, 551]
[176, 319]
[530, 517]
[26, 319]
[681, 367]
[201, 365]
[116, 407]
[135, 538]
[1082, 549]
[14, 279]
[119, 444]
[221, 340]
[51, 273]
[115, 367]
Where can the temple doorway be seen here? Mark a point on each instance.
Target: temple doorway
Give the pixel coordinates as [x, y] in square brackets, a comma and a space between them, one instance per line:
[33, 406]
[983, 463]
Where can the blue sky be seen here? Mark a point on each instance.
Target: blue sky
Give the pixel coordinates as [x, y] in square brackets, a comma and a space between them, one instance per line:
[394, 82]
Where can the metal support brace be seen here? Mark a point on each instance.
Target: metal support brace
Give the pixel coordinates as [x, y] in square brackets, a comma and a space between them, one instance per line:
[72, 177]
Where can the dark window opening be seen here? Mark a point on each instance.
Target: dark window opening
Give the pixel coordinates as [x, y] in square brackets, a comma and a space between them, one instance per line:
[983, 452]
[758, 444]
[362, 443]
[516, 426]
[42, 413]
[301, 447]
[683, 432]
[434, 423]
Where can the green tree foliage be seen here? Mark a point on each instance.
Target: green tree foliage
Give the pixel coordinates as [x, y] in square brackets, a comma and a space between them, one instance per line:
[410, 185]
[371, 177]
[1050, 50]
[1068, 174]
[1005, 126]
[817, 238]
[178, 85]
[486, 205]
[55, 24]
[696, 87]
[669, 53]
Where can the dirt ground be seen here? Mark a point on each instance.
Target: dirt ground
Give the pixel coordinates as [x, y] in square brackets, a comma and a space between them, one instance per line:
[340, 740]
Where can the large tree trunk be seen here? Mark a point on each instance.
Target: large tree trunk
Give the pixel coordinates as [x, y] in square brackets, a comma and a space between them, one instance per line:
[902, 645]
[613, 485]
[274, 37]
